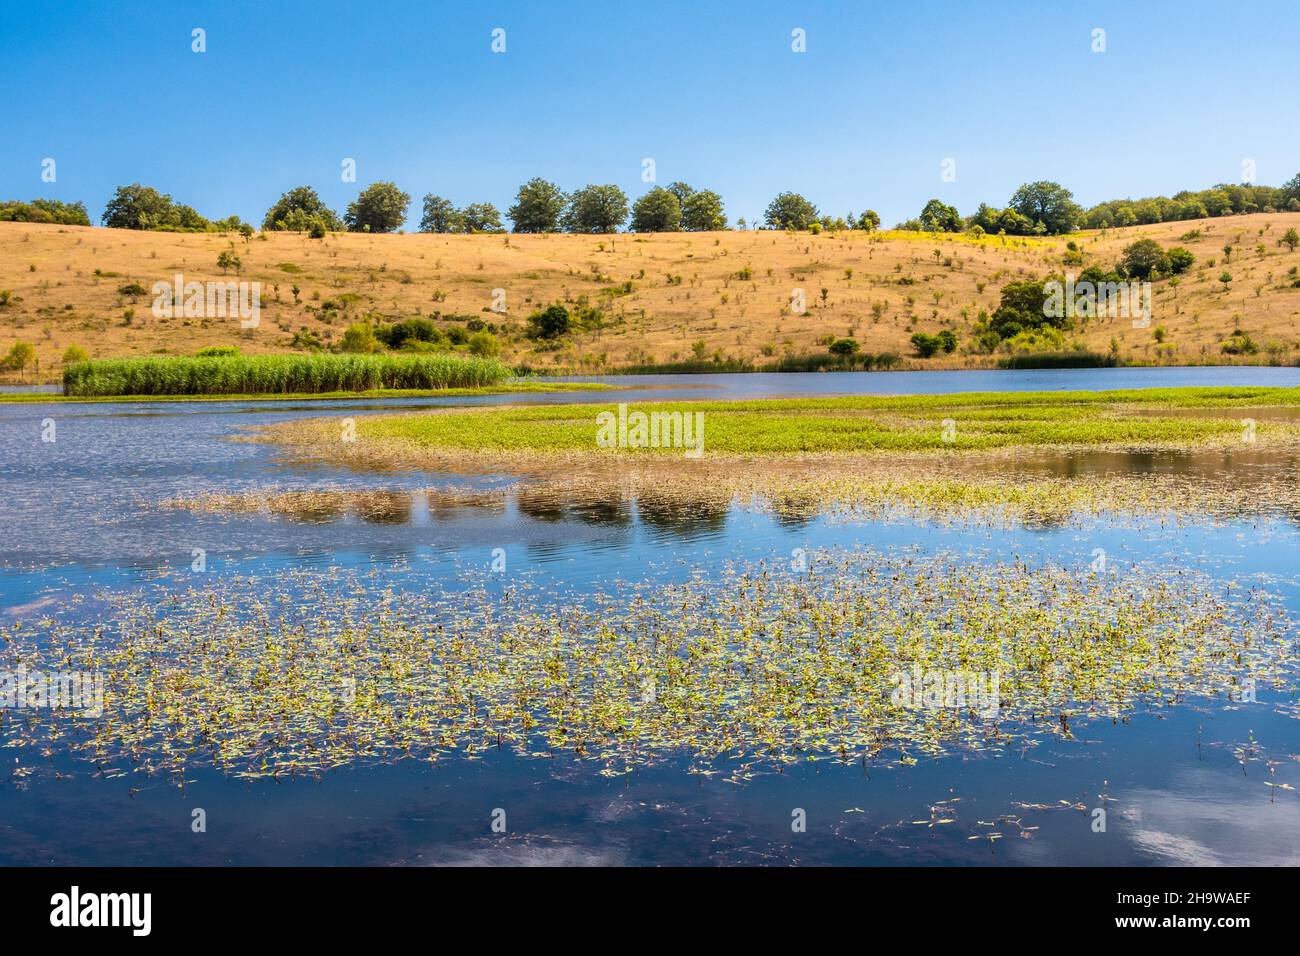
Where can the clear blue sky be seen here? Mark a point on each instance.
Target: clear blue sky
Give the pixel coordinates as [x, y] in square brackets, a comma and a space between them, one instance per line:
[1010, 90]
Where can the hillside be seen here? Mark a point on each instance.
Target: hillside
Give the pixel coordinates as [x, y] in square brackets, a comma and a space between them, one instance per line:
[654, 296]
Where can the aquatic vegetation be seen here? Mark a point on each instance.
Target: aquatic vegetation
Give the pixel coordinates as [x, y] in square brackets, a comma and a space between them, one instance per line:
[324, 504]
[757, 666]
[534, 386]
[850, 425]
[261, 374]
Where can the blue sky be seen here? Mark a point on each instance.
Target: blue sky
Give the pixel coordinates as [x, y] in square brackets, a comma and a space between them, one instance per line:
[712, 92]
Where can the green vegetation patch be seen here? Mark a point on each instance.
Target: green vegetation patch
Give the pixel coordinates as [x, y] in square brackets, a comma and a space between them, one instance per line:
[859, 423]
[279, 374]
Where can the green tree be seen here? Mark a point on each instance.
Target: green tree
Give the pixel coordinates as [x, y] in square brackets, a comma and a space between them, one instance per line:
[1143, 259]
[21, 355]
[440, 215]
[702, 212]
[596, 209]
[139, 207]
[381, 207]
[1180, 260]
[1291, 188]
[926, 345]
[844, 347]
[481, 217]
[682, 191]
[869, 221]
[1292, 239]
[1021, 309]
[75, 353]
[538, 207]
[1048, 203]
[657, 211]
[939, 217]
[551, 322]
[297, 208]
[45, 210]
[790, 211]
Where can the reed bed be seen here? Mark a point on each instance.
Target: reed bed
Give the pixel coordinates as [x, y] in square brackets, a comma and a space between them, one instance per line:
[755, 667]
[279, 374]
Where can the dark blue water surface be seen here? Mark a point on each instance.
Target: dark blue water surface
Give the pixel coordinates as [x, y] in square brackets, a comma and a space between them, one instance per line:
[83, 513]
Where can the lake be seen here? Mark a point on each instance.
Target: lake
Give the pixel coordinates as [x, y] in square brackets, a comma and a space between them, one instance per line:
[86, 523]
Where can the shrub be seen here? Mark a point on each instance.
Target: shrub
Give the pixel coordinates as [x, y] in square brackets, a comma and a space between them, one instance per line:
[843, 347]
[1239, 343]
[926, 345]
[360, 338]
[75, 353]
[484, 344]
[217, 351]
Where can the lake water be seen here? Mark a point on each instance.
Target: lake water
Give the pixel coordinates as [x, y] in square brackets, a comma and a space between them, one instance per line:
[82, 516]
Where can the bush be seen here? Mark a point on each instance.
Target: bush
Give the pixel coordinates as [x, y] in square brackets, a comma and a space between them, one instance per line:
[1239, 343]
[926, 345]
[360, 338]
[75, 353]
[843, 347]
[484, 344]
[217, 351]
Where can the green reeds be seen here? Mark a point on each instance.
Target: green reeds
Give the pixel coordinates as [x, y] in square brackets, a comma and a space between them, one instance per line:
[278, 374]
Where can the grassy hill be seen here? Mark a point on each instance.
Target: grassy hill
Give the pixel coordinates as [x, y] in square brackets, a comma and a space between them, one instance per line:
[643, 298]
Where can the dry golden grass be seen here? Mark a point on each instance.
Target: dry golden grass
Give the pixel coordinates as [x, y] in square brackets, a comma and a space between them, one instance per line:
[952, 278]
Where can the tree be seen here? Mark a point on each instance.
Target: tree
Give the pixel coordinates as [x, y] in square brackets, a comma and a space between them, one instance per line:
[381, 207]
[1292, 239]
[657, 211]
[682, 191]
[21, 355]
[702, 212]
[75, 353]
[45, 210]
[538, 207]
[1021, 309]
[790, 211]
[939, 217]
[925, 345]
[1143, 259]
[1049, 203]
[481, 217]
[843, 347]
[551, 322]
[228, 260]
[139, 207]
[869, 221]
[1291, 188]
[1180, 259]
[440, 215]
[297, 208]
[596, 209]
